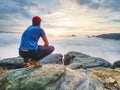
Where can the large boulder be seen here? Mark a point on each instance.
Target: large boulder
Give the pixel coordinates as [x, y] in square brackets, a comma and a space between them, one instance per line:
[84, 61]
[80, 80]
[12, 63]
[49, 77]
[116, 64]
[44, 78]
[18, 62]
[52, 58]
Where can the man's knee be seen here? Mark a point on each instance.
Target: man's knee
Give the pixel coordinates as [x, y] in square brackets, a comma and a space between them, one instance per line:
[51, 48]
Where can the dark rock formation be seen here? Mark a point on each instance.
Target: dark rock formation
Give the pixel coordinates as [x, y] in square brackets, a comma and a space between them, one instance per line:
[115, 36]
[12, 63]
[18, 62]
[84, 60]
[53, 58]
[116, 64]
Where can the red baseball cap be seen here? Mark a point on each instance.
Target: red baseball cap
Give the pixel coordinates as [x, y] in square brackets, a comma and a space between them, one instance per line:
[36, 18]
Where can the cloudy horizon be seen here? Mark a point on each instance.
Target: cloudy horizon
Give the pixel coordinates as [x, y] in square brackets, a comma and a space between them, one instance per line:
[61, 16]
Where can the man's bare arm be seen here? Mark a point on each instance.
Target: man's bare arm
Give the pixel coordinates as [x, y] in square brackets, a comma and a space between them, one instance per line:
[46, 43]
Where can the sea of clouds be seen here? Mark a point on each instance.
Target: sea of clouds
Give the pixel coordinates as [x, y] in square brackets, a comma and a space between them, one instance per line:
[96, 47]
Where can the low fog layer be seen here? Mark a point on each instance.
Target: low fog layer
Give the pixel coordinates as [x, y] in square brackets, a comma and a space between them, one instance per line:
[107, 49]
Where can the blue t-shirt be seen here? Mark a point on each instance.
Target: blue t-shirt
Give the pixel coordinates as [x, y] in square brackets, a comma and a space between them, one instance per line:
[30, 38]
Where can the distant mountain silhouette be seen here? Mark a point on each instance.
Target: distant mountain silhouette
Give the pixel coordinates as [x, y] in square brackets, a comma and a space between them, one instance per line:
[115, 36]
[8, 32]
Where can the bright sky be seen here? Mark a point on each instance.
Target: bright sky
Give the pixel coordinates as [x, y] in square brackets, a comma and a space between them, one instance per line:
[62, 16]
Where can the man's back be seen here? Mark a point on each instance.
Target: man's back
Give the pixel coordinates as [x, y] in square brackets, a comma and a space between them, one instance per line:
[30, 38]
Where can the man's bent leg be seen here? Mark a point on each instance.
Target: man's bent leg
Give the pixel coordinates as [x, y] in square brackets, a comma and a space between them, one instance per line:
[45, 50]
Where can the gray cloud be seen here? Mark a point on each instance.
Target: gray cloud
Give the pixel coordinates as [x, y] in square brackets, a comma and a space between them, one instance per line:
[89, 3]
[95, 4]
[9, 8]
[112, 4]
[18, 10]
[116, 20]
[12, 12]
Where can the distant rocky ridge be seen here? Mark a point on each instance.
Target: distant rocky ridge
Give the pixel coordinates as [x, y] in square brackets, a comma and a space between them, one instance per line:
[76, 71]
[115, 36]
[9, 32]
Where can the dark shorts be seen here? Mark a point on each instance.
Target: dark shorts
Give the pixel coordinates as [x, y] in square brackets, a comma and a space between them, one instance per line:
[37, 54]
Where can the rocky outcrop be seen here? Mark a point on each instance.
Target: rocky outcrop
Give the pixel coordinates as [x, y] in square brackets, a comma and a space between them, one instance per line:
[44, 78]
[12, 63]
[18, 62]
[116, 64]
[84, 61]
[50, 77]
[80, 72]
[53, 58]
[109, 77]
[74, 59]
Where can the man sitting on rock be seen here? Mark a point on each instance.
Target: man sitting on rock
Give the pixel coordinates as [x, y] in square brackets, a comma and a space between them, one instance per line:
[29, 48]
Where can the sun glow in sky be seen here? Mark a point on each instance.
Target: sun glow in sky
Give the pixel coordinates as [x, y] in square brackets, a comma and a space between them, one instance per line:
[55, 32]
[62, 16]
